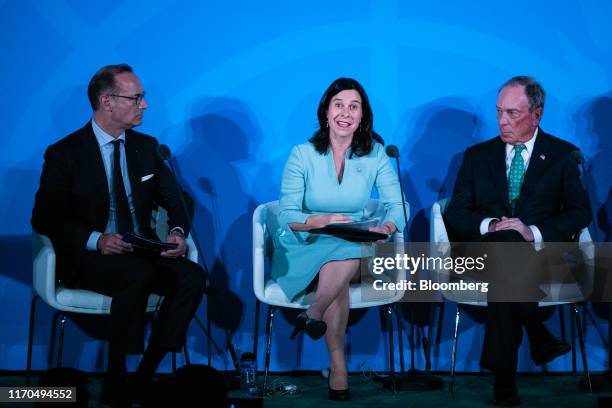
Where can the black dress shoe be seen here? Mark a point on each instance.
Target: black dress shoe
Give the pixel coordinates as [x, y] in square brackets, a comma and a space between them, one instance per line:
[550, 351]
[314, 328]
[142, 386]
[115, 392]
[506, 396]
[339, 395]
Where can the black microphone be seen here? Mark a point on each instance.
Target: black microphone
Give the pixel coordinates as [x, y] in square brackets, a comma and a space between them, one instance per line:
[163, 152]
[577, 157]
[393, 152]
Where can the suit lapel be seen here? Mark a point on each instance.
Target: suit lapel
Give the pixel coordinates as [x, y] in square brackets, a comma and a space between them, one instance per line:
[92, 151]
[132, 157]
[497, 166]
[537, 166]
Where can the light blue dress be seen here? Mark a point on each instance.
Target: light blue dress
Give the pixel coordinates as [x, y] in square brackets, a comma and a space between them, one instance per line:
[310, 186]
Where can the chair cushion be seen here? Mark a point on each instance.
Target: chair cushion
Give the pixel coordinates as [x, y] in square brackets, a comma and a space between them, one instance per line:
[86, 301]
[275, 296]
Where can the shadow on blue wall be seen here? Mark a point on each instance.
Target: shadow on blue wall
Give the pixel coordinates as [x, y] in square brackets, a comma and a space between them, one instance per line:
[443, 129]
[222, 132]
[594, 120]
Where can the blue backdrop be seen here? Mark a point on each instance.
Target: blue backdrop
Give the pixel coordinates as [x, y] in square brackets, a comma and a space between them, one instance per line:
[233, 85]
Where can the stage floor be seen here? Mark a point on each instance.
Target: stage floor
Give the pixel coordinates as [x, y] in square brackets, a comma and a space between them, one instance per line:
[471, 390]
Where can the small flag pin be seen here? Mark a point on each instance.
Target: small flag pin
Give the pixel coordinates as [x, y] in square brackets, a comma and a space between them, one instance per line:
[542, 157]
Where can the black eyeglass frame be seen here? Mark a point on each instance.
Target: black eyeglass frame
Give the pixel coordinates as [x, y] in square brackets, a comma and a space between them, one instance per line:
[138, 98]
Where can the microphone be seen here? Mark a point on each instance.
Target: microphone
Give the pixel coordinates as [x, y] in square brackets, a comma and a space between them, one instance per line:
[163, 152]
[393, 152]
[577, 158]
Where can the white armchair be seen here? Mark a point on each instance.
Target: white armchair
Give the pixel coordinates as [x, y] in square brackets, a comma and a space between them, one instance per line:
[65, 300]
[576, 292]
[265, 223]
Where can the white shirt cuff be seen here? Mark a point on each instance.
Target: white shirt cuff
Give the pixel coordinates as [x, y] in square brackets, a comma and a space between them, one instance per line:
[538, 241]
[179, 229]
[92, 242]
[484, 225]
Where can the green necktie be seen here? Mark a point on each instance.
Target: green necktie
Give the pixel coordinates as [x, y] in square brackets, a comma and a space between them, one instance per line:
[516, 175]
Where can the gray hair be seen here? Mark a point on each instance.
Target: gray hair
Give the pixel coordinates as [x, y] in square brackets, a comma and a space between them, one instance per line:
[533, 90]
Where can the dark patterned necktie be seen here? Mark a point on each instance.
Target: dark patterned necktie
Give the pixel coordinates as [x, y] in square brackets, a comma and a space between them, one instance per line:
[516, 175]
[122, 208]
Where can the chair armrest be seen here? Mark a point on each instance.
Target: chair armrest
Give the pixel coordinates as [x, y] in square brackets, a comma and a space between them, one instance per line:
[43, 267]
[259, 251]
[192, 250]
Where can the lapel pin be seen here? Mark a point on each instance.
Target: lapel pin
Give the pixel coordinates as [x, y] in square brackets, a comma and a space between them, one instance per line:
[542, 157]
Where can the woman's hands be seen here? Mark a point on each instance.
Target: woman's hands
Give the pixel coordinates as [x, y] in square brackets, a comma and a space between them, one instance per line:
[387, 228]
[320, 221]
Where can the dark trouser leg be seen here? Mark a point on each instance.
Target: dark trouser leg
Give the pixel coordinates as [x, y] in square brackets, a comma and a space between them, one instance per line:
[503, 325]
[182, 285]
[128, 279]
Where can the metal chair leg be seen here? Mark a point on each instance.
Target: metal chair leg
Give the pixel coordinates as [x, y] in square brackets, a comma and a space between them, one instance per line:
[61, 340]
[454, 352]
[391, 348]
[271, 310]
[31, 339]
[400, 336]
[256, 328]
[582, 349]
[573, 338]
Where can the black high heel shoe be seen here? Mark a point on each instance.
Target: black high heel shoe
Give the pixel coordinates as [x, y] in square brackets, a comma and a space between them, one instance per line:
[314, 328]
[338, 395]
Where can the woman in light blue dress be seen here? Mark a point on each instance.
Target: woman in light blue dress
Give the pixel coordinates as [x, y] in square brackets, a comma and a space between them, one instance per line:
[329, 180]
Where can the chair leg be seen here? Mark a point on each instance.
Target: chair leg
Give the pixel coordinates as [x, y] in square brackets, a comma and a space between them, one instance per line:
[389, 311]
[61, 340]
[256, 328]
[573, 338]
[186, 352]
[31, 339]
[562, 323]
[173, 362]
[271, 310]
[454, 352]
[400, 336]
[582, 349]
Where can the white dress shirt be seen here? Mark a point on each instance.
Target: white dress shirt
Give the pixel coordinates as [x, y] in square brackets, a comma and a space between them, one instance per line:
[538, 241]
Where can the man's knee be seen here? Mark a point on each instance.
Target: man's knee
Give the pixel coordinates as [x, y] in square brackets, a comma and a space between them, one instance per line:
[137, 272]
[192, 278]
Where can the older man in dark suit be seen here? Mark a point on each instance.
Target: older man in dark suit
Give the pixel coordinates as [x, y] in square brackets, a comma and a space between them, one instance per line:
[521, 186]
[97, 184]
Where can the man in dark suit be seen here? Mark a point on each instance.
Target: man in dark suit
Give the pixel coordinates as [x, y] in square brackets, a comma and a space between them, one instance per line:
[521, 186]
[97, 184]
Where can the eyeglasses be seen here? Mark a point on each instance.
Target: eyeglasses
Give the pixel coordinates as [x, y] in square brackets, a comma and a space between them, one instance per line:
[136, 98]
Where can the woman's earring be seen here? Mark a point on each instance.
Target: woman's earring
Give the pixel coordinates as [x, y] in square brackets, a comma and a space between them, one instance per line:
[326, 124]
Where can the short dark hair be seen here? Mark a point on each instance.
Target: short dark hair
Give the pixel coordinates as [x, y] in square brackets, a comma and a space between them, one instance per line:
[364, 135]
[533, 90]
[103, 82]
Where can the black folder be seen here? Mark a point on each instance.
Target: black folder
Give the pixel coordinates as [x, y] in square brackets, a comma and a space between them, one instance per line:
[350, 232]
[148, 244]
